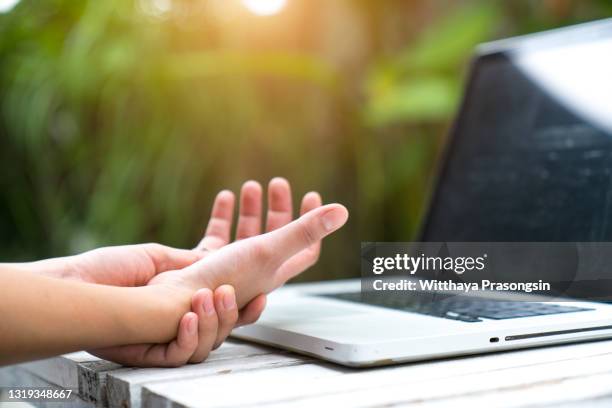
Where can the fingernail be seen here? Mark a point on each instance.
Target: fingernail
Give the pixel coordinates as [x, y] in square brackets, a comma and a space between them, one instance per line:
[192, 326]
[279, 180]
[208, 304]
[334, 219]
[229, 301]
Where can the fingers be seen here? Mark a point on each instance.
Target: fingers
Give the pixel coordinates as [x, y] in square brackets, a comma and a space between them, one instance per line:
[251, 312]
[196, 336]
[310, 201]
[249, 219]
[227, 312]
[280, 206]
[173, 354]
[182, 348]
[202, 303]
[220, 223]
[309, 256]
[279, 213]
[304, 232]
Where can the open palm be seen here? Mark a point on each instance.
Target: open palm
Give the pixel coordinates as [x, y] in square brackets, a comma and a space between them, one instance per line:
[136, 265]
[141, 264]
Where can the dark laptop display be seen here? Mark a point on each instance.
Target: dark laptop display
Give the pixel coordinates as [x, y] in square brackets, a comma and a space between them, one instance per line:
[529, 160]
[525, 162]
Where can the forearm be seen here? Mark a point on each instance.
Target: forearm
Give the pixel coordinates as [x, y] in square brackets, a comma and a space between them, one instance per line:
[42, 316]
[62, 267]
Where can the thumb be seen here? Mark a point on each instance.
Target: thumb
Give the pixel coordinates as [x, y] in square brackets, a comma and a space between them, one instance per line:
[267, 253]
[307, 230]
[167, 258]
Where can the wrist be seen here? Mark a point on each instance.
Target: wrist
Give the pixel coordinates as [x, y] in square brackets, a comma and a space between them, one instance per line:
[156, 314]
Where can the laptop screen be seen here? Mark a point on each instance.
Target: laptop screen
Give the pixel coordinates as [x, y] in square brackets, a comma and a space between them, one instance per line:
[530, 157]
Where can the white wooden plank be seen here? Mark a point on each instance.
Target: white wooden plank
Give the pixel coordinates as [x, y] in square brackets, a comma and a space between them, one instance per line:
[124, 386]
[240, 351]
[7, 376]
[577, 390]
[234, 390]
[17, 376]
[86, 373]
[61, 370]
[414, 390]
[265, 376]
[15, 405]
[357, 380]
[79, 371]
[599, 402]
[92, 380]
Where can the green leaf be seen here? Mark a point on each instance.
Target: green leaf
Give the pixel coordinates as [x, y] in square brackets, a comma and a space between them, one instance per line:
[216, 63]
[425, 98]
[452, 39]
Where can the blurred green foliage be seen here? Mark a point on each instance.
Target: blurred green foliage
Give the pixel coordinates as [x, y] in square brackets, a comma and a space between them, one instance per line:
[121, 119]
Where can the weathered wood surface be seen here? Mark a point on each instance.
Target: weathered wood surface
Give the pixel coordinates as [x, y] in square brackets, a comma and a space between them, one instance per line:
[242, 374]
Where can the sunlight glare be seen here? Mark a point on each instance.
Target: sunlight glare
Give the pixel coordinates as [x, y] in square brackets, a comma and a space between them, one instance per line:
[264, 7]
[7, 5]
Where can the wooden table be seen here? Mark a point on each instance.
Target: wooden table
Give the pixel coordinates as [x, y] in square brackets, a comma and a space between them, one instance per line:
[242, 374]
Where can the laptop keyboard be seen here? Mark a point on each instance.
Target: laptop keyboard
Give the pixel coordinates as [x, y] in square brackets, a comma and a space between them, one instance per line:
[456, 307]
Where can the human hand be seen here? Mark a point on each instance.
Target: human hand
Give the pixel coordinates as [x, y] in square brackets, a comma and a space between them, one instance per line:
[217, 235]
[273, 258]
[257, 264]
[134, 265]
[212, 316]
[279, 213]
[150, 259]
[141, 262]
[130, 266]
[198, 333]
[127, 265]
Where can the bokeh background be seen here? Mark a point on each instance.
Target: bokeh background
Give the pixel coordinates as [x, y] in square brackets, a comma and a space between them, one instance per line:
[121, 119]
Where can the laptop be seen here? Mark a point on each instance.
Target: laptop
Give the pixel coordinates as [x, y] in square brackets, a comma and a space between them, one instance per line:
[529, 159]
